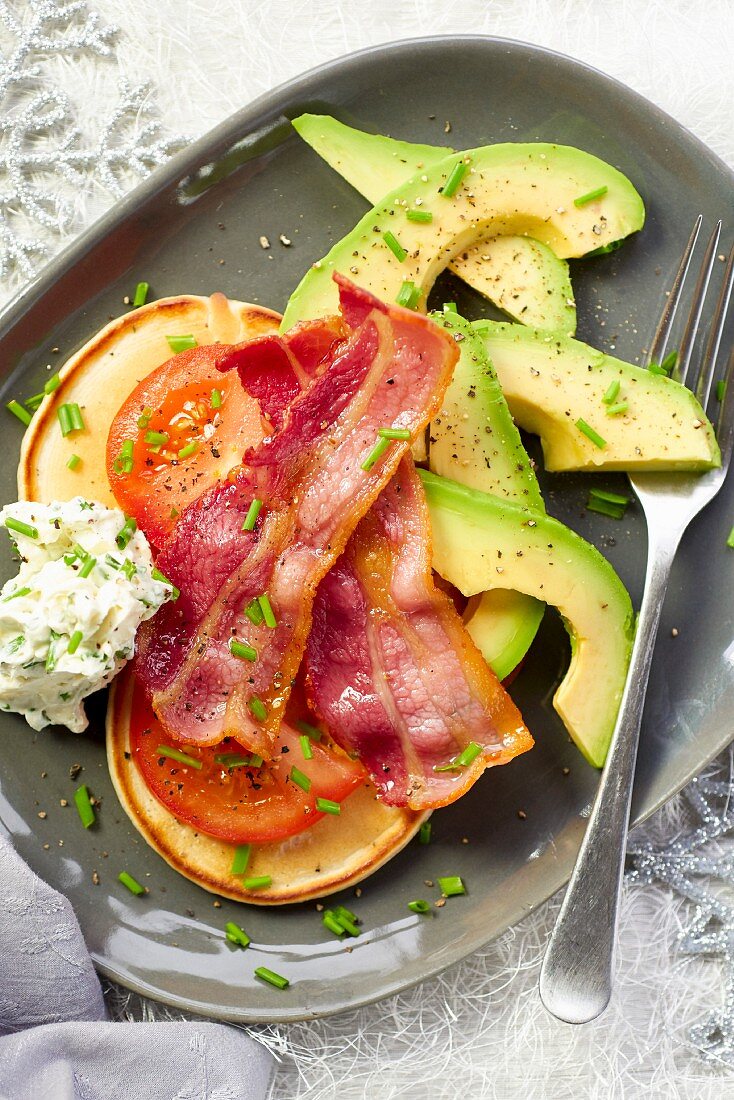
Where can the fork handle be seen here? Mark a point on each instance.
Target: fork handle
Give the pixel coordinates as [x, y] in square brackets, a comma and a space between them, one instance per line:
[576, 977]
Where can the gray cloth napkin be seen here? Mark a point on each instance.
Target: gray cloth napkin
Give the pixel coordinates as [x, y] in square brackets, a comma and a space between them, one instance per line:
[55, 1040]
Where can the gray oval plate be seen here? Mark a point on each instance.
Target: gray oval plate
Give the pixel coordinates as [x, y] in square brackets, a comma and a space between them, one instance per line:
[253, 176]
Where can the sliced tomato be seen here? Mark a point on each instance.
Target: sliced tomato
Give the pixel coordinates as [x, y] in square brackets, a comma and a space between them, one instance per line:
[187, 425]
[242, 805]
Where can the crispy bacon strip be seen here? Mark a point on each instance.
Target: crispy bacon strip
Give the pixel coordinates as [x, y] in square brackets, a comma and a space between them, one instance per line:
[392, 370]
[391, 669]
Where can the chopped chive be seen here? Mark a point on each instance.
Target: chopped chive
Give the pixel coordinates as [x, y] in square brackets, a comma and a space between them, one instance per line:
[329, 921]
[237, 935]
[424, 836]
[257, 709]
[52, 383]
[456, 175]
[64, 419]
[409, 295]
[75, 417]
[342, 911]
[271, 977]
[253, 611]
[451, 886]
[611, 498]
[174, 513]
[300, 779]
[257, 882]
[88, 566]
[255, 760]
[669, 361]
[604, 508]
[73, 462]
[311, 731]
[16, 643]
[419, 906]
[233, 760]
[17, 409]
[326, 806]
[617, 409]
[126, 532]
[112, 561]
[129, 568]
[51, 654]
[132, 884]
[590, 196]
[347, 919]
[393, 433]
[181, 757]
[33, 402]
[394, 245]
[252, 513]
[189, 449]
[181, 343]
[375, 454]
[241, 859]
[163, 579]
[611, 395]
[306, 749]
[655, 369]
[720, 389]
[267, 610]
[17, 592]
[730, 540]
[242, 650]
[156, 439]
[589, 432]
[21, 528]
[126, 450]
[141, 293]
[216, 399]
[84, 806]
[144, 418]
[468, 754]
[424, 216]
[75, 641]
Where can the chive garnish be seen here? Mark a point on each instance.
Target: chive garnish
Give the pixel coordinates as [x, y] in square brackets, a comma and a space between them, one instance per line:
[617, 409]
[424, 216]
[612, 498]
[64, 419]
[456, 175]
[604, 508]
[409, 295]
[271, 977]
[126, 532]
[182, 757]
[253, 611]
[394, 245]
[306, 749]
[393, 433]
[329, 921]
[52, 384]
[720, 389]
[589, 432]
[233, 760]
[252, 513]
[257, 882]
[311, 731]
[123, 464]
[70, 418]
[451, 886]
[669, 361]
[216, 399]
[181, 343]
[51, 651]
[300, 779]
[590, 196]
[242, 650]
[144, 418]
[255, 760]
[611, 395]
[21, 528]
[267, 610]
[655, 369]
[156, 439]
[424, 836]
[163, 579]
[189, 449]
[375, 454]
[236, 935]
[17, 409]
[33, 402]
[257, 709]
[241, 859]
[326, 806]
[347, 919]
[17, 592]
[84, 806]
[141, 293]
[88, 566]
[131, 883]
[73, 462]
[730, 540]
[74, 642]
[469, 753]
[419, 906]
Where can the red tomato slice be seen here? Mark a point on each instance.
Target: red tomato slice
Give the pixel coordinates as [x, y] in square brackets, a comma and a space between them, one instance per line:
[183, 438]
[241, 805]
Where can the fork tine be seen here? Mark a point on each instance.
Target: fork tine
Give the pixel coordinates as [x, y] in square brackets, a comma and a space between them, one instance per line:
[711, 355]
[660, 339]
[685, 350]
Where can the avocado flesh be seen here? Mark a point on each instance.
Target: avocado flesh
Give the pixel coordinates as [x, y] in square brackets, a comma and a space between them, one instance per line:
[550, 382]
[485, 542]
[474, 441]
[520, 276]
[512, 189]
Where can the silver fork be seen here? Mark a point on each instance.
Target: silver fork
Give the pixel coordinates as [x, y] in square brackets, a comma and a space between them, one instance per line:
[576, 977]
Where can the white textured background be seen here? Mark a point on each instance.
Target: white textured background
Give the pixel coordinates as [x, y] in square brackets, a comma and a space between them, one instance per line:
[479, 1029]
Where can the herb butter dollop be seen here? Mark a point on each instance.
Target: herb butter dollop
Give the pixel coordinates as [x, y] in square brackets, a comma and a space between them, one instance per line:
[69, 618]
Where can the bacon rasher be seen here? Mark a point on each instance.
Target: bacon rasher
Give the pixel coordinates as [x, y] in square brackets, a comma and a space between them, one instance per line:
[391, 370]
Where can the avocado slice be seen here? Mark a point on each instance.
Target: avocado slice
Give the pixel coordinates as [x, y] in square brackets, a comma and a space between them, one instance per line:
[474, 441]
[485, 542]
[522, 277]
[551, 382]
[512, 189]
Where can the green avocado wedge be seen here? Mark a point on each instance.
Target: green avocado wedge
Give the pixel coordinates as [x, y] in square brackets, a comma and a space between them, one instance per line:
[645, 421]
[496, 190]
[474, 441]
[521, 276]
[487, 543]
